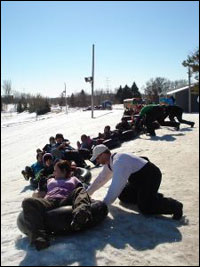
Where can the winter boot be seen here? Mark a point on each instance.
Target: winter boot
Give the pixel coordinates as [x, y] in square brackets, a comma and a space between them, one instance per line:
[41, 243]
[170, 206]
[29, 171]
[178, 210]
[80, 218]
[26, 177]
[40, 240]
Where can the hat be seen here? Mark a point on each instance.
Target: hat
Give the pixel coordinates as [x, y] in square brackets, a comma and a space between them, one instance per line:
[99, 149]
[47, 156]
[59, 135]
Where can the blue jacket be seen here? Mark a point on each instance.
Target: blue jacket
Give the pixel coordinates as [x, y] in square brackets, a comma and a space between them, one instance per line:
[37, 166]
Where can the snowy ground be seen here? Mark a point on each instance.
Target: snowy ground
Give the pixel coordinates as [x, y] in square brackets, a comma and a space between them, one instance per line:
[125, 238]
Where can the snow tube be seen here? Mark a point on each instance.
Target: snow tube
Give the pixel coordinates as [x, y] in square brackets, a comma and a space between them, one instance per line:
[127, 117]
[128, 135]
[83, 175]
[58, 221]
[112, 143]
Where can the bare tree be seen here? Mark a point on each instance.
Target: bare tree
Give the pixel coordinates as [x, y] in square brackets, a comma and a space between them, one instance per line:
[7, 88]
[155, 87]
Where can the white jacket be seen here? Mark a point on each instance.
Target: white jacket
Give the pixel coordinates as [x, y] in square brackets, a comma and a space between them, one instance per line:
[122, 165]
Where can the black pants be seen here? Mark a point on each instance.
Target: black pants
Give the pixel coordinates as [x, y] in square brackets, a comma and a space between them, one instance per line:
[34, 210]
[179, 118]
[74, 155]
[142, 189]
[85, 153]
[151, 117]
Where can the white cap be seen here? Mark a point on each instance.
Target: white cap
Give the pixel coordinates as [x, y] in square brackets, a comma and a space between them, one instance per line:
[99, 149]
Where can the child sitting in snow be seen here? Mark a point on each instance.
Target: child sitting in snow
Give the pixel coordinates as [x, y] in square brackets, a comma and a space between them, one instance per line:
[62, 190]
[31, 172]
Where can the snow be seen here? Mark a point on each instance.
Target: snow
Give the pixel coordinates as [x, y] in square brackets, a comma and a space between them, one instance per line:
[125, 237]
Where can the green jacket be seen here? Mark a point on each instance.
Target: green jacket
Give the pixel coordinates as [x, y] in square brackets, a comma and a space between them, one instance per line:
[146, 109]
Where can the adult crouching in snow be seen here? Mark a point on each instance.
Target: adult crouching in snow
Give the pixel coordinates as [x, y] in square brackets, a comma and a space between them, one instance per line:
[134, 180]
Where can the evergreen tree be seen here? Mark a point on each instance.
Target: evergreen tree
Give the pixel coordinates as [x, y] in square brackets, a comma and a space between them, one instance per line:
[82, 99]
[119, 94]
[19, 107]
[72, 100]
[127, 93]
[192, 61]
[135, 90]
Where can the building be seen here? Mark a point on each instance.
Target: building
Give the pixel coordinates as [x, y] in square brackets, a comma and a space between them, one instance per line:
[107, 104]
[182, 97]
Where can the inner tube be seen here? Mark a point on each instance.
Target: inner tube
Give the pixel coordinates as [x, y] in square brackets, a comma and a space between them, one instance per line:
[112, 143]
[84, 175]
[58, 221]
[128, 135]
[127, 117]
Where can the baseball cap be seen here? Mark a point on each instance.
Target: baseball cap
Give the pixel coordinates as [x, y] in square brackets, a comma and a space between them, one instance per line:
[97, 150]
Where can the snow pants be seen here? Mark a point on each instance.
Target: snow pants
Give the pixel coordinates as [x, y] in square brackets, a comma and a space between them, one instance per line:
[179, 115]
[157, 114]
[142, 189]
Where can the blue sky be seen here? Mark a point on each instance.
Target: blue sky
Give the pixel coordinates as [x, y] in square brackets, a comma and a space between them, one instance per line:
[47, 44]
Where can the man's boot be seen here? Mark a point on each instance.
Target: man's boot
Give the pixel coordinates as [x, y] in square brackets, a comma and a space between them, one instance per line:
[170, 206]
[178, 210]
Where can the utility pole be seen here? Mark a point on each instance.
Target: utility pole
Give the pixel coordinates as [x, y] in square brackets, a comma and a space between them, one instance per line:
[92, 84]
[91, 80]
[107, 85]
[189, 91]
[65, 98]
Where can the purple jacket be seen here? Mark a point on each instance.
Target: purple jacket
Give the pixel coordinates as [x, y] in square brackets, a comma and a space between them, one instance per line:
[61, 188]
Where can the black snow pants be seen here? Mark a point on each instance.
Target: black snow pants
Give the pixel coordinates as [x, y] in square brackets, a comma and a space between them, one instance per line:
[157, 114]
[178, 114]
[142, 189]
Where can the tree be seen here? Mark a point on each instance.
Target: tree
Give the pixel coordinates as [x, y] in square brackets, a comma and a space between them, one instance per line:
[124, 93]
[7, 87]
[135, 90]
[62, 100]
[19, 107]
[192, 62]
[72, 100]
[82, 99]
[155, 87]
[39, 105]
[119, 94]
[178, 84]
[127, 93]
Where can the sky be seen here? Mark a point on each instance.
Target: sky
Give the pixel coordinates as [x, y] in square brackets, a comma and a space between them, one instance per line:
[47, 44]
